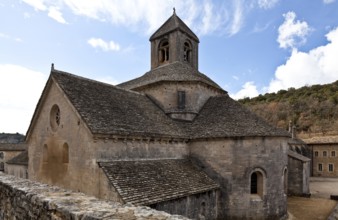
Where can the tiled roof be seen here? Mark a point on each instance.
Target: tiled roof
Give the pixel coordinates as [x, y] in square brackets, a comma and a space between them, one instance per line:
[322, 140]
[298, 156]
[12, 147]
[21, 159]
[147, 182]
[174, 72]
[296, 141]
[172, 24]
[110, 110]
[107, 109]
[221, 116]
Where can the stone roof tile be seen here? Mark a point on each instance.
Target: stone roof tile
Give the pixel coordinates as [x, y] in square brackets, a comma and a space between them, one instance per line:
[12, 147]
[146, 182]
[110, 110]
[173, 23]
[20, 159]
[174, 72]
[221, 116]
[107, 109]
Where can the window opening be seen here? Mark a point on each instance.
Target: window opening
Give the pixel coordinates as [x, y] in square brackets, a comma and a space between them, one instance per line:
[330, 167]
[316, 153]
[1, 155]
[181, 100]
[285, 176]
[2, 167]
[164, 52]
[187, 52]
[333, 153]
[324, 153]
[320, 167]
[65, 153]
[253, 183]
[256, 183]
[45, 153]
[55, 117]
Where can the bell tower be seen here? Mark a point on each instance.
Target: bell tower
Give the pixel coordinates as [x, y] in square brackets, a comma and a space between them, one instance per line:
[174, 42]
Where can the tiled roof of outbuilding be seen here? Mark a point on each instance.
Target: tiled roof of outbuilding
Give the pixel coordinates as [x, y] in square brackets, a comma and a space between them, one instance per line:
[20, 159]
[174, 72]
[172, 24]
[298, 156]
[12, 147]
[107, 109]
[147, 182]
[322, 140]
[221, 116]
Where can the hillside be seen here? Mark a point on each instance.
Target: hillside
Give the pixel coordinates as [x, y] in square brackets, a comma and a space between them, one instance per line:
[11, 138]
[313, 109]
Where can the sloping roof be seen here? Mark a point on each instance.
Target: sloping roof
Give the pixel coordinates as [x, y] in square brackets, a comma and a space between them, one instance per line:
[296, 141]
[322, 140]
[107, 109]
[221, 116]
[12, 147]
[147, 182]
[110, 110]
[173, 23]
[177, 71]
[298, 156]
[21, 159]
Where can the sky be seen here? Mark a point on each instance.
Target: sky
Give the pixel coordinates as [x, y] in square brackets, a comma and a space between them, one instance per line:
[248, 47]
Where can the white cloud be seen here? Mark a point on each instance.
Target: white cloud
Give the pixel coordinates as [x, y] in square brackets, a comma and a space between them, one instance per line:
[53, 8]
[328, 1]
[6, 36]
[292, 33]
[237, 18]
[203, 16]
[249, 89]
[103, 45]
[267, 4]
[56, 15]
[36, 4]
[318, 66]
[20, 89]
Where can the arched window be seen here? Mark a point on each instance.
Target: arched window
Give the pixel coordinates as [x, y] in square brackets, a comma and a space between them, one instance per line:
[285, 180]
[2, 167]
[65, 153]
[257, 183]
[45, 153]
[187, 52]
[164, 52]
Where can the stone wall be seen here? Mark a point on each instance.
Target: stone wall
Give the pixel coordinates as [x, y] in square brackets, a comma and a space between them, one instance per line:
[25, 199]
[324, 155]
[198, 206]
[298, 177]
[231, 162]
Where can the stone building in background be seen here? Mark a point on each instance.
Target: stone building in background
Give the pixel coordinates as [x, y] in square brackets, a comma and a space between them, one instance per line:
[171, 139]
[324, 156]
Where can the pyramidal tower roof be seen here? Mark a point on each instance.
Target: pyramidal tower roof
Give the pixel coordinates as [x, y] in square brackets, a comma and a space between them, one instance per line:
[172, 24]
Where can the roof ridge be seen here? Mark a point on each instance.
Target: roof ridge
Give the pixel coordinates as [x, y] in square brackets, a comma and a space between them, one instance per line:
[55, 71]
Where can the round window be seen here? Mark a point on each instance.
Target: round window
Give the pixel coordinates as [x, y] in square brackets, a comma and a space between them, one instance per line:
[55, 117]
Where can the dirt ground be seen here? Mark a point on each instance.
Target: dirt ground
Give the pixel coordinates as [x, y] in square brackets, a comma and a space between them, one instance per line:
[319, 206]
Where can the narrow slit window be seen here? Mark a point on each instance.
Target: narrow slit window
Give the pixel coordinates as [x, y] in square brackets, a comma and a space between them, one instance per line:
[181, 100]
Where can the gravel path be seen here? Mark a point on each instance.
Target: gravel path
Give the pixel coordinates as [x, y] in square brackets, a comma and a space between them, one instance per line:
[319, 206]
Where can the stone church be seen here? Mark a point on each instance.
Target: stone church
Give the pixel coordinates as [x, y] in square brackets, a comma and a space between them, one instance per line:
[171, 139]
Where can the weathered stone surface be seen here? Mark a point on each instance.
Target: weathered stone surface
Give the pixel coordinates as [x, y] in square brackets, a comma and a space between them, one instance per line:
[25, 199]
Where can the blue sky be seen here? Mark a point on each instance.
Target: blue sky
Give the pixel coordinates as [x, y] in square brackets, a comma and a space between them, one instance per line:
[248, 47]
